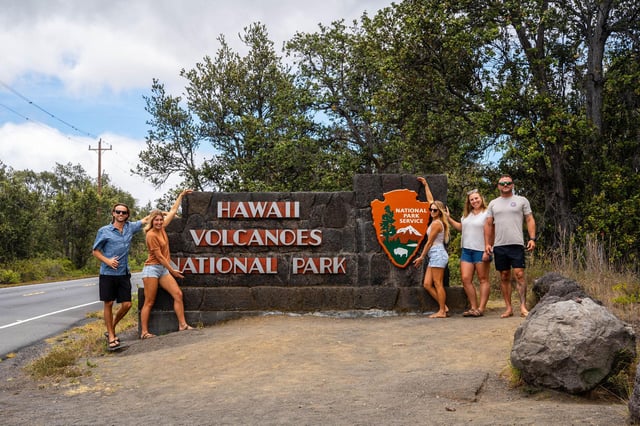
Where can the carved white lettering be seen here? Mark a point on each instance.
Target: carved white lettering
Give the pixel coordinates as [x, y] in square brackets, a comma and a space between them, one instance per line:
[318, 265]
[258, 209]
[256, 237]
[197, 235]
[227, 265]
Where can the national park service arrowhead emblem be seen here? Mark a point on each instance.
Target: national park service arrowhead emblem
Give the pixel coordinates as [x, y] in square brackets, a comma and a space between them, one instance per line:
[401, 224]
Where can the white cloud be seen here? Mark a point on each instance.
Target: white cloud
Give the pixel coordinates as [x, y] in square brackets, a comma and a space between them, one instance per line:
[90, 62]
[37, 147]
[123, 44]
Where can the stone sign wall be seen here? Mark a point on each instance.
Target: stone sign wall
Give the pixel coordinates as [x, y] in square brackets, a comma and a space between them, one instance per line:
[251, 253]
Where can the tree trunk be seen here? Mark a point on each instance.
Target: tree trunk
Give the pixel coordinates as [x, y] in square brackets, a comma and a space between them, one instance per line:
[596, 37]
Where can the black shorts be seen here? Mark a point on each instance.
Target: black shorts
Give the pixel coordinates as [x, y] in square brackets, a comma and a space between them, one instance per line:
[115, 287]
[507, 257]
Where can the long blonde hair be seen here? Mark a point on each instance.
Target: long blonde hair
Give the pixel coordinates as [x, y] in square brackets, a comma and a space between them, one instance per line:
[441, 208]
[154, 213]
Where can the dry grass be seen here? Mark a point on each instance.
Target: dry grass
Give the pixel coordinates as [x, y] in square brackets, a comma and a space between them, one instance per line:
[616, 286]
[62, 359]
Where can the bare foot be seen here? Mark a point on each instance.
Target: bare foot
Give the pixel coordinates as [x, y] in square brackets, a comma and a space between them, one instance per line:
[185, 327]
[524, 313]
[508, 313]
[438, 315]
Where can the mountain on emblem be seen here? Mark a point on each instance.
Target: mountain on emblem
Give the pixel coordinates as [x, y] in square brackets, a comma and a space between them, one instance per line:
[401, 223]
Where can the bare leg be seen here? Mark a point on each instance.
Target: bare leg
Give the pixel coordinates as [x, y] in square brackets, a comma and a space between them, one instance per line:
[428, 283]
[441, 294]
[466, 274]
[482, 270]
[505, 287]
[122, 311]
[171, 286]
[521, 285]
[107, 313]
[150, 293]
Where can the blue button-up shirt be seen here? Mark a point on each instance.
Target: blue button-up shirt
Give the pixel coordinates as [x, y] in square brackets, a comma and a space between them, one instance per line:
[111, 242]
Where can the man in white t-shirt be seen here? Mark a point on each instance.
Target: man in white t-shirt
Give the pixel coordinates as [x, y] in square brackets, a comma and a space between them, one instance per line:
[504, 239]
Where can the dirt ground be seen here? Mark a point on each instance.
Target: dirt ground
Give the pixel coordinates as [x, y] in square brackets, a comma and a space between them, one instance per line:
[305, 370]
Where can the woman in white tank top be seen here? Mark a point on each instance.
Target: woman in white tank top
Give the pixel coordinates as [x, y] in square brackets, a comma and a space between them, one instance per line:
[474, 257]
[437, 236]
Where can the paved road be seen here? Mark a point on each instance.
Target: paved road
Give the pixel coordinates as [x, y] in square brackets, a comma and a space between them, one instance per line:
[29, 314]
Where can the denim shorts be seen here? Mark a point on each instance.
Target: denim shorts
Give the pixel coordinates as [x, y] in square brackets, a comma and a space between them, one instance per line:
[438, 257]
[154, 271]
[471, 256]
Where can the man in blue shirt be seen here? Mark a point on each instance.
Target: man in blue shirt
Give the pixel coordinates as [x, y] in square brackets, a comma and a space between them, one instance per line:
[111, 247]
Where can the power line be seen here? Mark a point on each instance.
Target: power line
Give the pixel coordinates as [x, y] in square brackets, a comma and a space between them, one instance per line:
[30, 102]
[15, 112]
[99, 149]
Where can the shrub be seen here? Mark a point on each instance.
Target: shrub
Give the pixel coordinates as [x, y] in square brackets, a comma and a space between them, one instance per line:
[7, 276]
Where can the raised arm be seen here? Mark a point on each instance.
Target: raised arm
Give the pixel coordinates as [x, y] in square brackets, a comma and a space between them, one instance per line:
[427, 190]
[174, 209]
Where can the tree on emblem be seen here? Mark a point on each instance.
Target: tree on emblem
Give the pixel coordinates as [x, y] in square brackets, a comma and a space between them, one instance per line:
[388, 224]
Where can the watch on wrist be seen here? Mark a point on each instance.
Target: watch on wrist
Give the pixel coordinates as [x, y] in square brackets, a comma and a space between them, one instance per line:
[532, 239]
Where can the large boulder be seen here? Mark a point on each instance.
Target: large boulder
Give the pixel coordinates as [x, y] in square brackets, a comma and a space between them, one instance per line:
[569, 342]
[553, 287]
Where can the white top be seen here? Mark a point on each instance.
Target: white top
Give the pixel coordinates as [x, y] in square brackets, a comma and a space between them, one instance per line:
[508, 216]
[439, 239]
[473, 231]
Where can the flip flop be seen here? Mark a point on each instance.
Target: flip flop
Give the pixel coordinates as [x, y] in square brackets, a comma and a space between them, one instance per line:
[113, 345]
[106, 335]
[147, 335]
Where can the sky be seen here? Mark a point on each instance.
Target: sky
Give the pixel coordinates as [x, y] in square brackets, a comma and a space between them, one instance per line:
[74, 72]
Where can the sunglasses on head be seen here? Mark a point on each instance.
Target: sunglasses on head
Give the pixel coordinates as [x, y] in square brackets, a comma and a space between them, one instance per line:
[505, 183]
[121, 212]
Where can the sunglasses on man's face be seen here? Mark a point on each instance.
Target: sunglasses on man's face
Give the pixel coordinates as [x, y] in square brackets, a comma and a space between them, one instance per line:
[505, 183]
[121, 212]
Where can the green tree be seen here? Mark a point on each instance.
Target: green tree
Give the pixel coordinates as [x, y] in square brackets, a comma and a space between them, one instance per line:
[172, 143]
[256, 119]
[544, 100]
[387, 225]
[401, 90]
[21, 216]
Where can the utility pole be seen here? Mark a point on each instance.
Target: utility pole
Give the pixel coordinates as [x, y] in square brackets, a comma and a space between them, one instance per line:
[100, 149]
